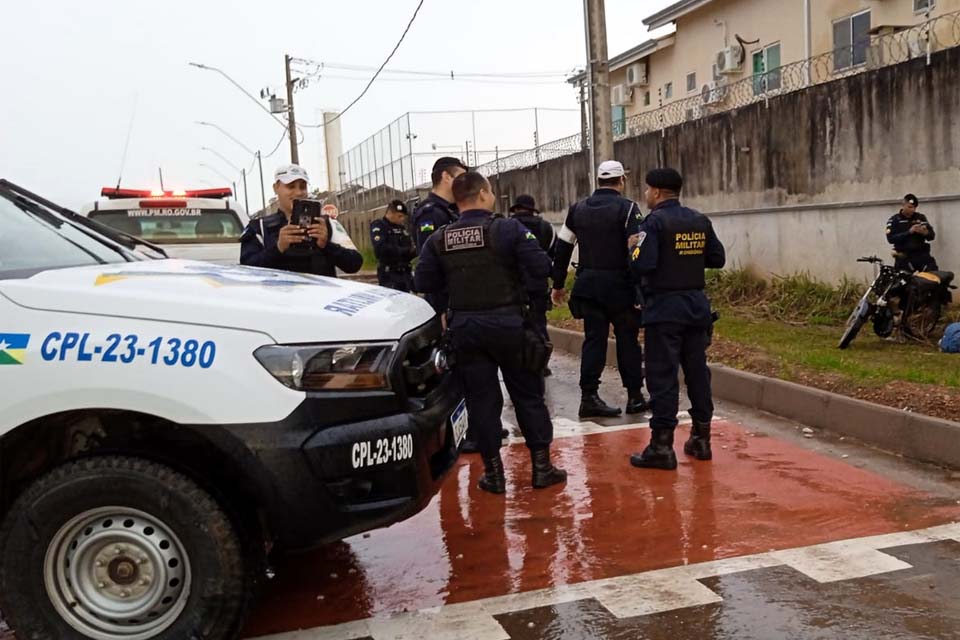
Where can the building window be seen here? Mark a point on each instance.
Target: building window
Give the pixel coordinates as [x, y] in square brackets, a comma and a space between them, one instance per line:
[851, 40]
[922, 6]
[691, 82]
[766, 69]
[619, 114]
[668, 91]
[646, 98]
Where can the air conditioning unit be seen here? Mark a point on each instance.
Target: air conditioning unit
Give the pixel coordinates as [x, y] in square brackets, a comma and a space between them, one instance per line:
[730, 60]
[637, 75]
[712, 93]
[621, 96]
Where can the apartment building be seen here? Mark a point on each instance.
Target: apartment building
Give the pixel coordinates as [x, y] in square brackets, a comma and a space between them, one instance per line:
[717, 43]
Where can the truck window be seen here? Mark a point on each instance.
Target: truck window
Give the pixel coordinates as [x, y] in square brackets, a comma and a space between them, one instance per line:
[30, 244]
[174, 226]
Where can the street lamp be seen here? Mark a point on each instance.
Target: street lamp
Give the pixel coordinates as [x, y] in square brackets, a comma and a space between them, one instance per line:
[220, 173]
[263, 196]
[222, 157]
[237, 85]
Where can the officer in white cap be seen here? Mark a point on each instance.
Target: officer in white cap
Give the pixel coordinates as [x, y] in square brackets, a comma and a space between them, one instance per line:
[603, 293]
[267, 241]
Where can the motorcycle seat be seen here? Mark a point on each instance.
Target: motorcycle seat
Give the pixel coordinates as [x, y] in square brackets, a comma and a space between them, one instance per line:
[946, 277]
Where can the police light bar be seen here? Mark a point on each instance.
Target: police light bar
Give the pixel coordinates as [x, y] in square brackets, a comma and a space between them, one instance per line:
[113, 193]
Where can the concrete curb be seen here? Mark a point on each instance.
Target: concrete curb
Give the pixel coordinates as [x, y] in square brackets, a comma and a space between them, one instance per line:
[908, 434]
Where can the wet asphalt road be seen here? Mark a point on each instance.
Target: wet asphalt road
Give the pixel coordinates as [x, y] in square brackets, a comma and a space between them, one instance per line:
[741, 547]
[783, 535]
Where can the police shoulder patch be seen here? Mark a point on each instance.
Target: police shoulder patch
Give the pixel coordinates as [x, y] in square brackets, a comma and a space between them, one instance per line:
[427, 226]
[529, 236]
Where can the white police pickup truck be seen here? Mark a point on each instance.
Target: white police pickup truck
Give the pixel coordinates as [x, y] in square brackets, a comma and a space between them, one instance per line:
[164, 422]
[204, 224]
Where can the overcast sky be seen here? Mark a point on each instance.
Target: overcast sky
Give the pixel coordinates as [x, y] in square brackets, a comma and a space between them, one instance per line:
[75, 73]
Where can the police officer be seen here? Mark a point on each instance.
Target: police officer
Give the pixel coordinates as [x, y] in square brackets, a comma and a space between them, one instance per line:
[437, 210]
[266, 241]
[672, 248]
[483, 260]
[910, 234]
[393, 247]
[524, 210]
[603, 293]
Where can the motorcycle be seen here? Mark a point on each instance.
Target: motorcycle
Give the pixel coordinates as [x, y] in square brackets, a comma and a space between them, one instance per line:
[910, 303]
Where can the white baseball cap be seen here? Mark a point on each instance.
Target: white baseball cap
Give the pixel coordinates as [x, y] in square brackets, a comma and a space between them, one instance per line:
[610, 169]
[290, 173]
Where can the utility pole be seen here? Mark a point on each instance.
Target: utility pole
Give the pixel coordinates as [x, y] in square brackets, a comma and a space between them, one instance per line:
[601, 120]
[263, 196]
[292, 122]
[584, 118]
[246, 200]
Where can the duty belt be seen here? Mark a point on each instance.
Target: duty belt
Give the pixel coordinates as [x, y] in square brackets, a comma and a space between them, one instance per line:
[396, 268]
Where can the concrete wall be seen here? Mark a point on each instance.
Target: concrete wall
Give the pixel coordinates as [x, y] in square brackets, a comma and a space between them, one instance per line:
[870, 137]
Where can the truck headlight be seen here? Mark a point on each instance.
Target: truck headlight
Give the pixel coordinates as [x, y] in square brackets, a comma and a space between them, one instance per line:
[347, 367]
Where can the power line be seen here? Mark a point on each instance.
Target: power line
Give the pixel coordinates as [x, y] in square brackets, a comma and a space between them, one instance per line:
[554, 82]
[369, 84]
[321, 66]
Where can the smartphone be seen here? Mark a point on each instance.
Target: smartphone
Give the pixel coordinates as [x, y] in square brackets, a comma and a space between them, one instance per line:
[306, 212]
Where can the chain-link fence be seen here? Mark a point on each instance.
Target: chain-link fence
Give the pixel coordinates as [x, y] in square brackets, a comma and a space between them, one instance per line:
[878, 51]
[400, 157]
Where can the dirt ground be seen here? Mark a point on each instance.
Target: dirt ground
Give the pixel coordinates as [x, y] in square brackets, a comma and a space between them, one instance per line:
[932, 400]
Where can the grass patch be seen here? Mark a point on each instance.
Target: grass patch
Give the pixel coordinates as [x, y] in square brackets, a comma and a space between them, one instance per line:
[369, 260]
[869, 361]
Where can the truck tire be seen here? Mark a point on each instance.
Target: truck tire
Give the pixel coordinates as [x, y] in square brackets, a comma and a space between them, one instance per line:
[118, 547]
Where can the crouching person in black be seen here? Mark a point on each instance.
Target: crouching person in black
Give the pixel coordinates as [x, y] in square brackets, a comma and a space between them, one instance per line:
[483, 262]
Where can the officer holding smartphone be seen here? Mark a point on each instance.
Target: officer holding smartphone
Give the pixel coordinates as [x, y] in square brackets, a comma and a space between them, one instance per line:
[311, 243]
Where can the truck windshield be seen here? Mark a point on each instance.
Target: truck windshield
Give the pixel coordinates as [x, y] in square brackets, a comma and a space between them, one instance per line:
[33, 239]
[174, 226]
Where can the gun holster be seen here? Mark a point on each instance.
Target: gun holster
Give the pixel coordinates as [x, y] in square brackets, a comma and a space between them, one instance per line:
[535, 351]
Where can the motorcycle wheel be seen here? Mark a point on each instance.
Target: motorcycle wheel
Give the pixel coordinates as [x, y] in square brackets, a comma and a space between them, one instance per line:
[854, 324]
[921, 322]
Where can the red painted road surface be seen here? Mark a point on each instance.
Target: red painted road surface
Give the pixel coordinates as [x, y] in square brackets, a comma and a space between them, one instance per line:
[759, 494]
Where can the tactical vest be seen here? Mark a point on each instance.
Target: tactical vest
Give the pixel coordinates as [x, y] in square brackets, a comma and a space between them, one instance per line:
[478, 278]
[683, 246]
[602, 237]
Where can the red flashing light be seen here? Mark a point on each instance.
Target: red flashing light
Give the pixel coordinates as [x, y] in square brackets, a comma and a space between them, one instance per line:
[113, 193]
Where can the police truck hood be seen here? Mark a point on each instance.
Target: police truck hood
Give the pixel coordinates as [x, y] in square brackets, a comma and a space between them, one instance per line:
[290, 307]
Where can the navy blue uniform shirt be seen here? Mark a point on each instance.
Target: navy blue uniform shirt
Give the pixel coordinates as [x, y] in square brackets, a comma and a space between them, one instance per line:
[433, 213]
[392, 243]
[511, 239]
[682, 307]
[258, 248]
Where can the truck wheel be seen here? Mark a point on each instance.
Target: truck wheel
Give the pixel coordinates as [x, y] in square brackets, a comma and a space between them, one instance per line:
[116, 547]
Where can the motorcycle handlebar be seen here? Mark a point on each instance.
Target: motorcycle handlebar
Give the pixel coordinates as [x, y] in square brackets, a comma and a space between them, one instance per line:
[869, 259]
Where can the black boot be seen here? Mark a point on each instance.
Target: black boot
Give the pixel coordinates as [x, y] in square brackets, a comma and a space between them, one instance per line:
[636, 403]
[698, 445]
[593, 406]
[544, 473]
[658, 454]
[493, 479]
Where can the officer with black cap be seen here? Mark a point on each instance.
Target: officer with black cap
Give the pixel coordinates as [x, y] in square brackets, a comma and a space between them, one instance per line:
[603, 293]
[393, 247]
[437, 210]
[668, 257]
[524, 210]
[275, 243]
[483, 261]
[910, 233]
